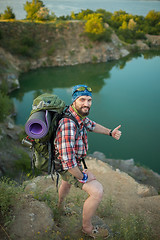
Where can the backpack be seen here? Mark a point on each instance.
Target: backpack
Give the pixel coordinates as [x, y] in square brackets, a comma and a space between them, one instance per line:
[47, 110]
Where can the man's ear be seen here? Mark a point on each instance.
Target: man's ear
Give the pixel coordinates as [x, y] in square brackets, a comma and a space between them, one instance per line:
[73, 104]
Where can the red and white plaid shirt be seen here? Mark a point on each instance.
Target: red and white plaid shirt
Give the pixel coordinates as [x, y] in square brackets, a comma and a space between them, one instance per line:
[68, 147]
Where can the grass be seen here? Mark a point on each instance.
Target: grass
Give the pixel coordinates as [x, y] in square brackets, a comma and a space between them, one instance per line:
[6, 106]
[132, 227]
[9, 194]
[124, 227]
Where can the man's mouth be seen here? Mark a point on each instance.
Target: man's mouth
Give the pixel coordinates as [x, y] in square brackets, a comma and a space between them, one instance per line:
[85, 108]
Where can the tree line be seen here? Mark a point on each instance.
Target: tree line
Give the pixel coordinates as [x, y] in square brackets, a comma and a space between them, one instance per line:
[128, 27]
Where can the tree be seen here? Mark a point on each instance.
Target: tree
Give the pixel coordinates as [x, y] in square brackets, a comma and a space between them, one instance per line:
[124, 25]
[153, 17]
[132, 24]
[94, 28]
[8, 14]
[42, 14]
[32, 8]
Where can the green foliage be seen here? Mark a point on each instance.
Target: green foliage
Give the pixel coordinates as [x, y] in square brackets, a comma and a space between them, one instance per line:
[3, 86]
[23, 165]
[6, 106]
[51, 50]
[37, 11]
[25, 45]
[130, 36]
[94, 28]
[106, 16]
[32, 8]
[9, 192]
[24, 161]
[94, 59]
[133, 227]
[81, 15]
[153, 18]
[8, 14]
[67, 17]
[128, 27]
[106, 208]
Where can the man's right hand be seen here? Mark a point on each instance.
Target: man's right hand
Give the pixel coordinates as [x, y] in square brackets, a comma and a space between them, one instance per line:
[90, 175]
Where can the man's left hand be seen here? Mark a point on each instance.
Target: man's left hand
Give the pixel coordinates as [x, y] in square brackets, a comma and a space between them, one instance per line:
[116, 133]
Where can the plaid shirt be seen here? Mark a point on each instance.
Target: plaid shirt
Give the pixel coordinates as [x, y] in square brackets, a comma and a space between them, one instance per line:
[68, 147]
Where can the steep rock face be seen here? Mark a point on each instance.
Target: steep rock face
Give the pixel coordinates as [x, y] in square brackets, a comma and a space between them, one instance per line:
[8, 70]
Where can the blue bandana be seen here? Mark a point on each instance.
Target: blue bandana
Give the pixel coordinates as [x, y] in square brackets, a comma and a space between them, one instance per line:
[78, 94]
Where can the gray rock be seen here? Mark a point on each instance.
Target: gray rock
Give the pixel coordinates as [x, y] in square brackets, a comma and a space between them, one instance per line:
[31, 218]
[140, 174]
[146, 191]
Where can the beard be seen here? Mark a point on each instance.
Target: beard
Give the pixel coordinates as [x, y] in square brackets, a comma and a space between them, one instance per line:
[83, 111]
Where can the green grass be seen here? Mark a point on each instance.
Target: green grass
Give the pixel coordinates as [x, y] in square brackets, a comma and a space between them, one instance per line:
[6, 106]
[9, 193]
[132, 227]
[124, 227]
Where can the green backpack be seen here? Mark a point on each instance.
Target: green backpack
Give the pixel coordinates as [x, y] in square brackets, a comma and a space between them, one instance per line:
[47, 110]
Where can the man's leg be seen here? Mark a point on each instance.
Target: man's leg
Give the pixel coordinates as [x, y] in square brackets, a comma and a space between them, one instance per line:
[95, 191]
[63, 191]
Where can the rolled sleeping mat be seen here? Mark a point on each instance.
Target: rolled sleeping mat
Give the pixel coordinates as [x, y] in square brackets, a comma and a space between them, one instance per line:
[38, 124]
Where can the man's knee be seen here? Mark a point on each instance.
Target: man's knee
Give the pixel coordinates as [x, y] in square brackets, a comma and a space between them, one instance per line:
[94, 189]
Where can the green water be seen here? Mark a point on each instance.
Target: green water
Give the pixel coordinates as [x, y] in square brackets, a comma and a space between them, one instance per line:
[125, 92]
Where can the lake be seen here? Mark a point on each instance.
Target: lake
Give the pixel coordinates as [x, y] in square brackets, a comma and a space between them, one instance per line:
[64, 7]
[125, 92]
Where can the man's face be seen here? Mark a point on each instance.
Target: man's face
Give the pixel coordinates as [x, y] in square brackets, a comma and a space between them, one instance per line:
[82, 105]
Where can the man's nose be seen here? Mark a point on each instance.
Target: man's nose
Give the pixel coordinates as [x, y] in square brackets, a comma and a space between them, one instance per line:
[86, 103]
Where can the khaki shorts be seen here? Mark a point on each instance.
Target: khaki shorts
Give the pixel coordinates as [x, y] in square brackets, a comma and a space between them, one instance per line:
[68, 177]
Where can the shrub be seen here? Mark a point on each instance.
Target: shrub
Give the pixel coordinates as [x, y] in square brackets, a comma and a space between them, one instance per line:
[8, 193]
[140, 35]
[27, 41]
[25, 46]
[24, 162]
[8, 14]
[81, 15]
[42, 14]
[153, 17]
[94, 27]
[6, 106]
[105, 15]
[126, 35]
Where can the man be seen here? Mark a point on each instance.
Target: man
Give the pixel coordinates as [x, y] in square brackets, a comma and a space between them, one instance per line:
[73, 148]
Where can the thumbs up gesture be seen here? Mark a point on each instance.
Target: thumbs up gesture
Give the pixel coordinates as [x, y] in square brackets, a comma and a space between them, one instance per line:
[116, 133]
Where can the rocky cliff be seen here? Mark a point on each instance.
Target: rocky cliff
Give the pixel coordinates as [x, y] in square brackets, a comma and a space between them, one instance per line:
[44, 45]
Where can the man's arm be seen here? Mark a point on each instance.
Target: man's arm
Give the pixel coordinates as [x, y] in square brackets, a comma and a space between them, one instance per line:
[103, 130]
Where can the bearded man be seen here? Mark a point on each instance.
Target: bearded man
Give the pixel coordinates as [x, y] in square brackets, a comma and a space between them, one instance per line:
[72, 149]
